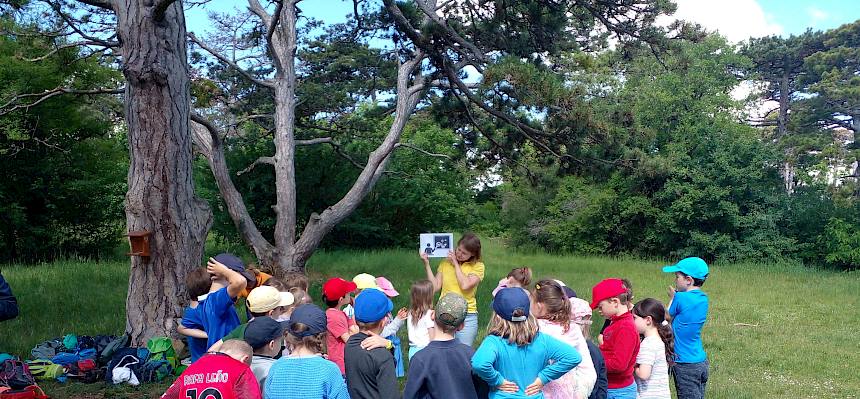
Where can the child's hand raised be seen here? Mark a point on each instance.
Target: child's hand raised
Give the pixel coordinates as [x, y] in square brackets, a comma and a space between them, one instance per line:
[534, 387]
[216, 268]
[508, 386]
[403, 313]
[671, 292]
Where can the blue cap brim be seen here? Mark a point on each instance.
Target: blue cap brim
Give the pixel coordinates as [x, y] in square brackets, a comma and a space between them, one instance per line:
[671, 269]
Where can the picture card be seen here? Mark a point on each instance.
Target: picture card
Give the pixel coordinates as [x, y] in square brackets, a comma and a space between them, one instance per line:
[436, 245]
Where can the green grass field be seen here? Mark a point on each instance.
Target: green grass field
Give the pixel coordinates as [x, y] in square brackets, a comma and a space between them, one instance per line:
[773, 331]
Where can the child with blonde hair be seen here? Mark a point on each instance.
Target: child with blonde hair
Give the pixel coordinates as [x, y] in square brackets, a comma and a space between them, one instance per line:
[552, 309]
[515, 359]
[419, 322]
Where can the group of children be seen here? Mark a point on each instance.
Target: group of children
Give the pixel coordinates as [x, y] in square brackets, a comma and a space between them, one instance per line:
[537, 345]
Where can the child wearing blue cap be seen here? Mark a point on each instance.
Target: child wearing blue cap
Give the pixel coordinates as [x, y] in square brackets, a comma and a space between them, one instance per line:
[688, 311]
[370, 373]
[515, 359]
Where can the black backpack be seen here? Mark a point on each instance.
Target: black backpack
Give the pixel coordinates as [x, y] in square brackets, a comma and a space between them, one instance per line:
[125, 355]
[15, 374]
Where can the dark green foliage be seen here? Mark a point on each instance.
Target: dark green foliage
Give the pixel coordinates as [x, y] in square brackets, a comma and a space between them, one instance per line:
[64, 165]
[703, 182]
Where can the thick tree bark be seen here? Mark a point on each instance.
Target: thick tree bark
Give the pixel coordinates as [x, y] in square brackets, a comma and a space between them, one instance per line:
[160, 196]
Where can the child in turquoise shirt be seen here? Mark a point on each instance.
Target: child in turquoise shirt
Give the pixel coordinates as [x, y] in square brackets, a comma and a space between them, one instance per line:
[688, 310]
[514, 358]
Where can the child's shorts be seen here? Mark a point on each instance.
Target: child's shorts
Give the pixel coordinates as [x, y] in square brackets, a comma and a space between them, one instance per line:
[628, 392]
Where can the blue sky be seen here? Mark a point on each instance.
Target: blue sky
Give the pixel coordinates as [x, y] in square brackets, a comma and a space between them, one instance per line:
[736, 19]
[796, 15]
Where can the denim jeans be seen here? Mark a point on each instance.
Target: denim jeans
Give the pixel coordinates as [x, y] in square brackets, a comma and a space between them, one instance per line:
[690, 379]
[470, 329]
[628, 392]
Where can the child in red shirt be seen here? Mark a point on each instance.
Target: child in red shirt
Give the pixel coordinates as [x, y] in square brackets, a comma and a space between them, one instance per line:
[223, 375]
[620, 340]
[337, 292]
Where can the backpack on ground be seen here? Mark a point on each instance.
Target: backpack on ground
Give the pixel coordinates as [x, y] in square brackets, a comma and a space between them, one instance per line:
[100, 342]
[105, 355]
[15, 374]
[47, 350]
[132, 358]
[161, 348]
[86, 342]
[155, 371]
[70, 342]
[65, 358]
[84, 371]
[45, 370]
[29, 392]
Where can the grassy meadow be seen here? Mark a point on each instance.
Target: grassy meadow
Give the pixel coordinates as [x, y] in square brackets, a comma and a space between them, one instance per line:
[773, 331]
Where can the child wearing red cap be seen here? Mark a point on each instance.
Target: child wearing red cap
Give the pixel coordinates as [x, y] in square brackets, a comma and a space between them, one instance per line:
[620, 340]
[336, 293]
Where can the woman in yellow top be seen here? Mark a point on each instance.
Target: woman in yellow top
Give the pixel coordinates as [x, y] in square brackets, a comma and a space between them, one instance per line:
[460, 273]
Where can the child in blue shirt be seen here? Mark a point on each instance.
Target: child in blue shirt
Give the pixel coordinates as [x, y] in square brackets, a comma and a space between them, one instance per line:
[688, 310]
[197, 283]
[217, 311]
[515, 358]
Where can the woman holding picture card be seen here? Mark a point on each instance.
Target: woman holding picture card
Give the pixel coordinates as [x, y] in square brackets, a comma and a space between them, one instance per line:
[460, 273]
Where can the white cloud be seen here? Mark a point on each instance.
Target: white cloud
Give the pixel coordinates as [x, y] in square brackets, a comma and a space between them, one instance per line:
[737, 20]
[816, 16]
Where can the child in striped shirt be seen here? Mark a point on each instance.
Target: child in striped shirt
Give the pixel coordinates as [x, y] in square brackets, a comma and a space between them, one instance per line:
[656, 352]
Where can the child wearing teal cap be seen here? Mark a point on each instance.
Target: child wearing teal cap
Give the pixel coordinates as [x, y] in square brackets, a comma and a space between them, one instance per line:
[688, 311]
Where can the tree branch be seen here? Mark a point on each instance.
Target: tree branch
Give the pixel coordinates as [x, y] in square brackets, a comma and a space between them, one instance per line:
[276, 16]
[259, 11]
[65, 46]
[222, 58]
[258, 161]
[105, 4]
[71, 22]
[473, 50]
[207, 139]
[425, 152]
[320, 140]
[47, 94]
[319, 225]
[526, 130]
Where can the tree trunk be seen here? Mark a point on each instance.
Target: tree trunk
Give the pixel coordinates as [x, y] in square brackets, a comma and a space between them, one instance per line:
[788, 177]
[160, 196]
[290, 252]
[285, 143]
[784, 97]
